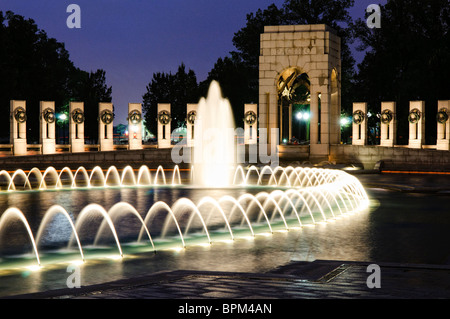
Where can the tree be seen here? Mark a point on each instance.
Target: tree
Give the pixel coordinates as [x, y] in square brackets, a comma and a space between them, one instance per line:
[90, 88]
[34, 68]
[177, 89]
[247, 42]
[407, 59]
[234, 77]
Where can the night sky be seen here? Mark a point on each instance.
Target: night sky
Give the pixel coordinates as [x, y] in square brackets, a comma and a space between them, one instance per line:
[131, 40]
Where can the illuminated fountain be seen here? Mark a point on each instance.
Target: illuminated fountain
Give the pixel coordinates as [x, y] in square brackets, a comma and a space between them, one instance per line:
[284, 199]
[261, 201]
[214, 157]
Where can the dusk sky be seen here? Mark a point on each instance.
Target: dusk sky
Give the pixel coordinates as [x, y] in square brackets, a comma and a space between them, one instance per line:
[131, 40]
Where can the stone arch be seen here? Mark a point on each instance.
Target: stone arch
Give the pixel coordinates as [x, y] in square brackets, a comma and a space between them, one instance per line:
[314, 50]
[293, 95]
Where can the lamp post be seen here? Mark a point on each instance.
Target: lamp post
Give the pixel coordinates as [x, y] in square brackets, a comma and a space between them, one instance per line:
[63, 118]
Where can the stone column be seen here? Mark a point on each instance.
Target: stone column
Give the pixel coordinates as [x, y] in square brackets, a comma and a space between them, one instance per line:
[416, 120]
[164, 119]
[388, 125]
[134, 126]
[250, 123]
[47, 127]
[359, 124]
[18, 127]
[191, 111]
[443, 126]
[105, 126]
[76, 126]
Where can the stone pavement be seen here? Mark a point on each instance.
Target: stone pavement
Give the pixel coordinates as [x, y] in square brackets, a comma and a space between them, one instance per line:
[298, 280]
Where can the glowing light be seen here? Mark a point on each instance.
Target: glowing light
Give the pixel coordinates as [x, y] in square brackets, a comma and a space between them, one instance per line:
[62, 117]
[34, 268]
[299, 115]
[306, 116]
[344, 121]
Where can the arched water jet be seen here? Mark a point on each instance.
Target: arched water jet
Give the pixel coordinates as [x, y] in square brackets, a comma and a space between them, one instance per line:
[283, 195]
[160, 170]
[69, 173]
[263, 172]
[176, 172]
[128, 170]
[187, 203]
[232, 200]
[22, 174]
[305, 202]
[95, 208]
[9, 180]
[97, 171]
[50, 171]
[112, 171]
[15, 212]
[254, 200]
[273, 176]
[155, 208]
[210, 200]
[85, 175]
[144, 174]
[35, 172]
[251, 169]
[120, 208]
[240, 170]
[51, 212]
[268, 196]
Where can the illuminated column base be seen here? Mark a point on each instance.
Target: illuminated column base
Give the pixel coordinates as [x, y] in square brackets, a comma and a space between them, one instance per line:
[250, 123]
[18, 129]
[134, 126]
[47, 127]
[105, 129]
[416, 120]
[164, 119]
[76, 126]
[359, 124]
[191, 111]
[443, 126]
[388, 125]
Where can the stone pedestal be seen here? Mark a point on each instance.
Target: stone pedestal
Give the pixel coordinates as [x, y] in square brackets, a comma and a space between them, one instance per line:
[164, 119]
[105, 126]
[416, 120]
[76, 126]
[359, 124]
[250, 124]
[191, 111]
[134, 126]
[47, 127]
[443, 126]
[388, 125]
[18, 127]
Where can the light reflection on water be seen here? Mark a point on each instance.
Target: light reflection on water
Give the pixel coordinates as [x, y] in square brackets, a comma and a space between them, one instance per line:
[400, 227]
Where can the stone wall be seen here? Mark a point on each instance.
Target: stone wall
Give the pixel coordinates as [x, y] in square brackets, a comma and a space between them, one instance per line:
[391, 158]
[150, 157]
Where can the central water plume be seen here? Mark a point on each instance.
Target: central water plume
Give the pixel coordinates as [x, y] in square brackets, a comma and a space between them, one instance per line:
[214, 155]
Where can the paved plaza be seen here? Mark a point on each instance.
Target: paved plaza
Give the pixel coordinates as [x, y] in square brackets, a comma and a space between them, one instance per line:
[298, 280]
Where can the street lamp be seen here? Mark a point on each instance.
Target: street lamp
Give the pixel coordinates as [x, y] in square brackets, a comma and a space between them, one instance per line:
[63, 118]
